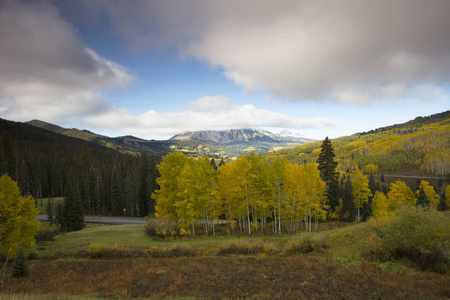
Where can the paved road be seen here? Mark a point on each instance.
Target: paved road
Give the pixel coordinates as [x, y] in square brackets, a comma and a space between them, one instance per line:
[104, 220]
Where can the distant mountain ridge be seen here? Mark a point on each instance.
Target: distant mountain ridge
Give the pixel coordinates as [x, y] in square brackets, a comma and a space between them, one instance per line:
[215, 144]
[240, 136]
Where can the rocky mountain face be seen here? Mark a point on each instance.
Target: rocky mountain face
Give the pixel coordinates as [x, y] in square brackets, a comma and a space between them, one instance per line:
[240, 136]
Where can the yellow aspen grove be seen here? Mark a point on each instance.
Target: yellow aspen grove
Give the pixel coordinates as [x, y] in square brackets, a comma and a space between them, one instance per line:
[313, 195]
[279, 170]
[243, 178]
[400, 194]
[429, 191]
[209, 205]
[228, 192]
[295, 210]
[360, 190]
[261, 188]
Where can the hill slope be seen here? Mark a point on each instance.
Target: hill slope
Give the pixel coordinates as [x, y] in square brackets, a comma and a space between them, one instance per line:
[422, 144]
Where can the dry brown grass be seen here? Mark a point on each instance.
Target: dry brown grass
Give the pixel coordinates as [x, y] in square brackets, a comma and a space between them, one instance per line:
[294, 277]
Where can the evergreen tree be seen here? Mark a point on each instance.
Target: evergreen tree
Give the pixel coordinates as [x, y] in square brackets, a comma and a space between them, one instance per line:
[327, 164]
[6, 154]
[24, 179]
[221, 162]
[72, 212]
[333, 195]
[422, 199]
[144, 171]
[442, 203]
[327, 168]
[213, 164]
[116, 195]
[348, 207]
[20, 267]
[152, 185]
[50, 216]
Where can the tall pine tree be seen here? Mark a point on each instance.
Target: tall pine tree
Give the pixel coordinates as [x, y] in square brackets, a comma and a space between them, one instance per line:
[72, 212]
[327, 168]
[348, 207]
[422, 199]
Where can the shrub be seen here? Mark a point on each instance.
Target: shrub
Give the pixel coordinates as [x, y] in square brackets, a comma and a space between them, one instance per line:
[161, 229]
[96, 250]
[46, 233]
[172, 251]
[421, 235]
[245, 247]
[303, 245]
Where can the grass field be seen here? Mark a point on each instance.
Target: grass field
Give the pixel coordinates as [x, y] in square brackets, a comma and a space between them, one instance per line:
[43, 202]
[120, 262]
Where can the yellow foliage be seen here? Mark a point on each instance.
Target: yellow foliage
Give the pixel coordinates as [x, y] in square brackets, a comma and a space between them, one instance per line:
[317, 151]
[400, 194]
[429, 191]
[380, 205]
[18, 218]
[370, 169]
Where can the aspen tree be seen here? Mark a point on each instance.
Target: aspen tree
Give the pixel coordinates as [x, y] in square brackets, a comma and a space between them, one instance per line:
[360, 190]
[400, 194]
[167, 194]
[380, 205]
[18, 223]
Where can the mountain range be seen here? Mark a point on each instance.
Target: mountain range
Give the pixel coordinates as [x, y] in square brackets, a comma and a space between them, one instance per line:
[216, 144]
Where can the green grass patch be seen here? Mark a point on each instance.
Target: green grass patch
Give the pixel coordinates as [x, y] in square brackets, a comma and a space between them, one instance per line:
[121, 235]
[43, 203]
[344, 242]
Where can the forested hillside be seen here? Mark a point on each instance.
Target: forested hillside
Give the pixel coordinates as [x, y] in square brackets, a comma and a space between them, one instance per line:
[105, 181]
[422, 144]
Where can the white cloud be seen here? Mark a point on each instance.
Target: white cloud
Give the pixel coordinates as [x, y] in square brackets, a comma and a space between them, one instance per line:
[346, 51]
[47, 71]
[207, 113]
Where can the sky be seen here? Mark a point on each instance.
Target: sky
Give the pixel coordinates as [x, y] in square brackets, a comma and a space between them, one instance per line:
[154, 69]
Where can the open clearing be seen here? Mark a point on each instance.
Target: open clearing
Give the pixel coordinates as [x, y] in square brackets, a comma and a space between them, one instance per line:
[123, 262]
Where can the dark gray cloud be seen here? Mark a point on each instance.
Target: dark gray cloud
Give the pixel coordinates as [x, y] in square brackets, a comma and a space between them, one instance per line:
[349, 51]
[46, 70]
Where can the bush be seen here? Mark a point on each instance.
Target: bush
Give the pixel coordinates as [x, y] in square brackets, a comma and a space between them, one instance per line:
[421, 235]
[162, 229]
[303, 245]
[172, 251]
[244, 247]
[99, 251]
[46, 233]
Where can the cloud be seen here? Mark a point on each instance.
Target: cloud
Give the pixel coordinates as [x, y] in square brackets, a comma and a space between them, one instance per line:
[207, 113]
[345, 51]
[46, 70]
